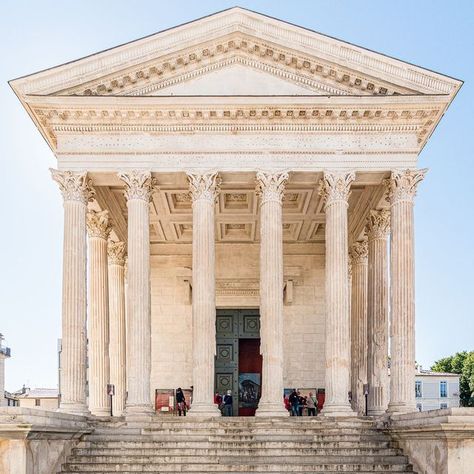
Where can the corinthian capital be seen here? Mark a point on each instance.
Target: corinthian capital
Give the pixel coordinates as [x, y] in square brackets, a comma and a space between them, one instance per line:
[336, 186]
[116, 253]
[74, 186]
[204, 186]
[378, 224]
[98, 224]
[271, 186]
[359, 252]
[139, 184]
[402, 184]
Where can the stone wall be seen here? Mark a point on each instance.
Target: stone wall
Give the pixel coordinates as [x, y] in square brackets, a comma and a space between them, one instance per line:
[237, 270]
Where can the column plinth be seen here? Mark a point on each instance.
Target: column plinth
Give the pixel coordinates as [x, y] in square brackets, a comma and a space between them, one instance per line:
[401, 190]
[335, 189]
[270, 187]
[358, 255]
[139, 186]
[204, 189]
[77, 192]
[377, 312]
[98, 227]
[117, 345]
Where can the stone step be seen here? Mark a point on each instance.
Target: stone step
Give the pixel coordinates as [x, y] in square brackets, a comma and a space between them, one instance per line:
[234, 439]
[225, 451]
[242, 468]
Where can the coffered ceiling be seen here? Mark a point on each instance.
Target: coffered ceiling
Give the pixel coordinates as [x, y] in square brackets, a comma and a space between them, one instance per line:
[237, 208]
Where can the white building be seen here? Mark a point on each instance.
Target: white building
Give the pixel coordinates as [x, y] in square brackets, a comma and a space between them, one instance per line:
[434, 390]
[44, 398]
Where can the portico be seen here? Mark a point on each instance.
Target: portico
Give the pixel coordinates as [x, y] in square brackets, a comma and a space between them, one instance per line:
[237, 162]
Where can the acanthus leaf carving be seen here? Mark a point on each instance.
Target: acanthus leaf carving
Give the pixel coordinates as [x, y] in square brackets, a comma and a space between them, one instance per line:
[359, 252]
[139, 184]
[98, 224]
[335, 186]
[116, 252]
[402, 184]
[378, 224]
[74, 186]
[271, 186]
[204, 186]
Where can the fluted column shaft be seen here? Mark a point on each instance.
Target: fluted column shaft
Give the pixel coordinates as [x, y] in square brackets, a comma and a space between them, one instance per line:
[271, 187]
[359, 325]
[204, 188]
[99, 370]
[402, 189]
[76, 191]
[139, 188]
[335, 188]
[117, 346]
[377, 312]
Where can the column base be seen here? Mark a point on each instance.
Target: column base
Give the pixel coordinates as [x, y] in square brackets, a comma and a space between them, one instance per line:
[204, 410]
[102, 412]
[138, 413]
[400, 408]
[376, 412]
[338, 411]
[74, 409]
[269, 409]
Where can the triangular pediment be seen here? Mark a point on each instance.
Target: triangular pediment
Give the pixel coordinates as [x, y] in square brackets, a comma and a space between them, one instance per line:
[303, 61]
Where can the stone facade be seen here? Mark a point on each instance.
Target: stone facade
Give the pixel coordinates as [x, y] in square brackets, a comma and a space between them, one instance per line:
[238, 169]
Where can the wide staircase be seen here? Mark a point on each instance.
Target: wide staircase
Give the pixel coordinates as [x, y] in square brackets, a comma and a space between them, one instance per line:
[244, 445]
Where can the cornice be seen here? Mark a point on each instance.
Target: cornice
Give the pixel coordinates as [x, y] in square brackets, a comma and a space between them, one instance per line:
[230, 22]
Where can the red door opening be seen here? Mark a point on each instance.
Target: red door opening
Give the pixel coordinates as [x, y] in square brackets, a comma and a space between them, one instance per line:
[250, 375]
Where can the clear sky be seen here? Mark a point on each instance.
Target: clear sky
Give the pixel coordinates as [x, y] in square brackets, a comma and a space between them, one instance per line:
[35, 35]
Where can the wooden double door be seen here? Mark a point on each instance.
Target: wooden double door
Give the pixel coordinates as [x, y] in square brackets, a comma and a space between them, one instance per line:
[238, 364]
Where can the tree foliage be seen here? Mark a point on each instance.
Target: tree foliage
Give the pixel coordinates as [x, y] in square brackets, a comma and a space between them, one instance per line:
[461, 363]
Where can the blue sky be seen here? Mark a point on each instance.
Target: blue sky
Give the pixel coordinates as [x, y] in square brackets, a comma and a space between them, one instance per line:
[35, 35]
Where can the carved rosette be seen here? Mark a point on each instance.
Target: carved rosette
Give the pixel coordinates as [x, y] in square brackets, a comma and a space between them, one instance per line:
[204, 186]
[139, 184]
[378, 224]
[116, 252]
[335, 187]
[74, 186]
[402, 184]
[98, 224]
[359, 252]
[271, 186]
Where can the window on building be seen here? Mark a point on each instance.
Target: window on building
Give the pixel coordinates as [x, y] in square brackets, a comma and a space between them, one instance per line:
[418, 390]
[37, 402]
[443, 389]
[443, 405]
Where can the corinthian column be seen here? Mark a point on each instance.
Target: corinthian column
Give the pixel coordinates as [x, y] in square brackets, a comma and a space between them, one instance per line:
[138, 190]
[117, 351]
[271, 187]
[335, 189]
[77, 192]
[377, 312]
[98, 227]
[204, 189]
[358, 255]
[402, 189]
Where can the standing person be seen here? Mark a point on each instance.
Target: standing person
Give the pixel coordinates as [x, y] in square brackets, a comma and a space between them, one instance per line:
[228, 403]
[218, 400]
[311, 405]
[294, 402]
[181, 401]
[301, 403]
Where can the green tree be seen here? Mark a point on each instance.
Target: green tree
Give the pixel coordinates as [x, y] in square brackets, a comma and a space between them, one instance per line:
[461, 363]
